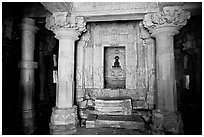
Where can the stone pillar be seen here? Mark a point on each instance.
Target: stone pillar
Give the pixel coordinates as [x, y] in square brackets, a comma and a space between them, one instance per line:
[27, 83]
[163, 26]
[67, 29]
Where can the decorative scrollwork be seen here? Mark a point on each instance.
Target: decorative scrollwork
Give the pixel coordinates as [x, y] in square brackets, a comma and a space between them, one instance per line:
[171, 15]
[61, 20]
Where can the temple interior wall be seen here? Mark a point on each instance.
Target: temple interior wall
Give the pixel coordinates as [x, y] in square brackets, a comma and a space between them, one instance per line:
[139, 70]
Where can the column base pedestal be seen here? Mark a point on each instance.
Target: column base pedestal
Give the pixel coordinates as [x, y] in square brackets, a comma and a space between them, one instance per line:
[166, 123]
[28, 122]
[64, 121]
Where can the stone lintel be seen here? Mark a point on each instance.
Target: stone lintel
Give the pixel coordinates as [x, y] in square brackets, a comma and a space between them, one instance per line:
[58, 6]
[98, 9]
[97, 18]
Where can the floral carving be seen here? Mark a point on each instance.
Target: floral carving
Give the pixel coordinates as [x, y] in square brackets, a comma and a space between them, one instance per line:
[62, 20]
[174, 15]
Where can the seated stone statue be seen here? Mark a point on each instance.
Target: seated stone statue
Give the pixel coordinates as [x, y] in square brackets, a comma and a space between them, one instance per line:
[116, 63]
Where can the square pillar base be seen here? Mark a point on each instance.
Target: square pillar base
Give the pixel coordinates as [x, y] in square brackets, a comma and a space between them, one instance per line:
[166, 123]
[64, 121]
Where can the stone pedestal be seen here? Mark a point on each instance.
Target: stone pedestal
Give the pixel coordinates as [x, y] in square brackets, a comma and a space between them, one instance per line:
[163, 26]
[67, 29]
[64, 120]
[27, 83]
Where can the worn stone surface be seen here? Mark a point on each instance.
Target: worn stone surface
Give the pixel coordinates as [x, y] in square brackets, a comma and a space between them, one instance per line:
[62, 129]
[163, 26]
[169, 15]
[113, 106]
[117, 121]
[113, 8]
[136, 96]
[27, 82]
[64, 120]
[28, 122]
[109, 131]
[91, 120]
[139, 63]
[145, 114]
[166, 123]
[67, 28]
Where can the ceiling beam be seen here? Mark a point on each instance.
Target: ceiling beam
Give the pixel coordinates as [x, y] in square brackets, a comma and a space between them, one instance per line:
[58, 6]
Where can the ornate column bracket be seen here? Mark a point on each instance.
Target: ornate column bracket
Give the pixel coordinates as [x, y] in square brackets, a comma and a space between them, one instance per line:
[174, 16]
[62, 21]
[144, 34]
[169, 20]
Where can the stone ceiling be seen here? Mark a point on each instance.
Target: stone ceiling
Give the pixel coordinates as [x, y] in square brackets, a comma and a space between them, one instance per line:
[94, 11]
[107, 11]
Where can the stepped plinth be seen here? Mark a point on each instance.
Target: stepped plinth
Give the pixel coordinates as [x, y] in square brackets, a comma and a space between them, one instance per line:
[114, 112]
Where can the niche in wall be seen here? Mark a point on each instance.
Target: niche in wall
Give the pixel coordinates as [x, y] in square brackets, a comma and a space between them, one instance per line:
[114, 67]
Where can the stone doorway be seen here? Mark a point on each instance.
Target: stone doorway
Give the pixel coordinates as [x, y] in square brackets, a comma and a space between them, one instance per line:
[114, 67]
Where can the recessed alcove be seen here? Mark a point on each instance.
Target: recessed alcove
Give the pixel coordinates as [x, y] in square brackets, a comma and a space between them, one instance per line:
[114, 67]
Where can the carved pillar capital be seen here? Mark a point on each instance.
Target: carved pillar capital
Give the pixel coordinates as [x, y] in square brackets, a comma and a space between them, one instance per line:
[65, 26]
[28, 24]
[171, 17]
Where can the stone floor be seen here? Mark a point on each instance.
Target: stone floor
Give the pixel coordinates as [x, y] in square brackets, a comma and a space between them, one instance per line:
[192, 119]
[109, 131]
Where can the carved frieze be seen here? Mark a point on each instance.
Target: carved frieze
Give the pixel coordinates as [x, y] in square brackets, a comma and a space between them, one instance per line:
[61, 20]
[171, 15]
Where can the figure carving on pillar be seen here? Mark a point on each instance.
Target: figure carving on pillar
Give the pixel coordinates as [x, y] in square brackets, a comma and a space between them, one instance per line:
[67, 28]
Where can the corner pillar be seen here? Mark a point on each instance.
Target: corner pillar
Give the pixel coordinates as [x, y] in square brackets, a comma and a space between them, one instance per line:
[27, 83]
[163, 26]
[64, 119]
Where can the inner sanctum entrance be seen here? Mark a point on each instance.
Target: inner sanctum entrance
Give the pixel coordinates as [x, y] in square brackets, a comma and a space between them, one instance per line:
[114, 60]
[114, 66]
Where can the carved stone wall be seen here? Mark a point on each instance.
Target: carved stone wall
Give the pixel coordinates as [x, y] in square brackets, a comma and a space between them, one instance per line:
[139, 62]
